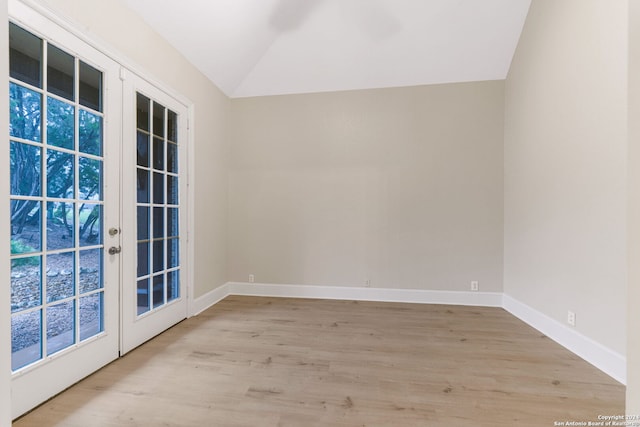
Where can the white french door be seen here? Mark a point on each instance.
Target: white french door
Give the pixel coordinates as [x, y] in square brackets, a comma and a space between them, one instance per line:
[154, 200]
[64, 142]
[98, 208]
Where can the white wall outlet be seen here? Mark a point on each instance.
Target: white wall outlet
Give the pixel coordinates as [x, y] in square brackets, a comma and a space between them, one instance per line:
[367, 283]
[475, 286]
[571, 318]
[251, 278]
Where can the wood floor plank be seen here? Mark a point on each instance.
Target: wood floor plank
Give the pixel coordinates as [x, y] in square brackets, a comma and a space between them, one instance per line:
[252, 361]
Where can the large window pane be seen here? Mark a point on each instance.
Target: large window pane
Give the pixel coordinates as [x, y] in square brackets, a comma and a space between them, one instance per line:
[172, 158]
[26, 233]
[90, 87]
[91, 315]
[173, 253]
[172, 126]
[143, 258]
[26, 276]
[25, 169]
[60, 276]
[90, 270]
[25, 110]
[25, 56]
[158, 256]
[90, 179]
[173, 228]
[60, 174]
[60, 225]
[158, 188]
[143, 149]
[61, 322]
[143, 186]
[158, 290]
[142, 291]
[173, 285]
[143, 223]
[26, 338]
[158, 153]
[172, 190]
[143, 112]
[56, 188]
[60, 123]
[90, 133]
[158, 211]
[90, 227]
[60, 73]
[158, 223]
[158, 120]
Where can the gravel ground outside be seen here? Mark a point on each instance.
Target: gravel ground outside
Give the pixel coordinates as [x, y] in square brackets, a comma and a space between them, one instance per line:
[58, 282]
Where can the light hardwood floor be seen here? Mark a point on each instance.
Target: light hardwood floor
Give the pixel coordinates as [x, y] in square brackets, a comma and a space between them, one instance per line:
[293, 362]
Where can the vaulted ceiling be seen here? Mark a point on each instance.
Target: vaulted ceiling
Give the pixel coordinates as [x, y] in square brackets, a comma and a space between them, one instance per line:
[269, 47]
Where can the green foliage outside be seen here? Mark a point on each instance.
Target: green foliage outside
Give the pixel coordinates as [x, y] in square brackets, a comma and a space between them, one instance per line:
[29, 163]
[17, 247]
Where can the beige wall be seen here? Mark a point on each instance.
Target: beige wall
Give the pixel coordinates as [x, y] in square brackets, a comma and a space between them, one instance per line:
[633, 320]
[402, 187]
[565, 166]
[118, 27]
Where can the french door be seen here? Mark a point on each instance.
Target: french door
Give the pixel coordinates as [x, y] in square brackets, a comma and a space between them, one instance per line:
[97, 190]
[154, 295]
[64, 189]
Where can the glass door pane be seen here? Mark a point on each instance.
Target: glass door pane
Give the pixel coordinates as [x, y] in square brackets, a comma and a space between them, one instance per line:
[57, 197]
[157, 205]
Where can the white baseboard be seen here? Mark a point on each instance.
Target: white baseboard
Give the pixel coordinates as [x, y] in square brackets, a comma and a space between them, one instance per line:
[603, 358]
[487, 299]
[209, 299]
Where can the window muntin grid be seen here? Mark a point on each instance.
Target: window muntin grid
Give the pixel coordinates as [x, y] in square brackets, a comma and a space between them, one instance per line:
[158, 203]
[57, 200]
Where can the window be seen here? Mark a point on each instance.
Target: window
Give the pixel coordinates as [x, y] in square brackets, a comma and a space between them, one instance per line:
[55, 142]
[158, 241]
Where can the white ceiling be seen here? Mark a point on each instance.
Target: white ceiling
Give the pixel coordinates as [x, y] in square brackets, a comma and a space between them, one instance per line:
[269, 47]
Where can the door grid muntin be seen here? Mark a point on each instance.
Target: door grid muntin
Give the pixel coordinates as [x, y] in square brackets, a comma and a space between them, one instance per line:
[57, 201]
[158, 206]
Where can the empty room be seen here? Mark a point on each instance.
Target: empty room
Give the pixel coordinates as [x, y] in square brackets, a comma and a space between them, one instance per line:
[320, 213]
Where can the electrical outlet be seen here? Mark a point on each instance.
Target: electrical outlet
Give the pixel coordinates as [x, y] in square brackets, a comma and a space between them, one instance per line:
[571, 318]
[474, 285]
[251, 278]
[367, 283]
